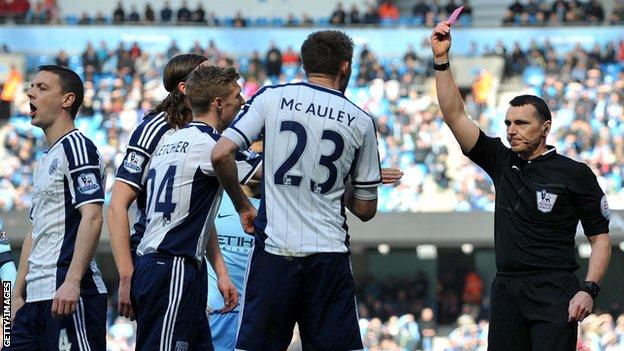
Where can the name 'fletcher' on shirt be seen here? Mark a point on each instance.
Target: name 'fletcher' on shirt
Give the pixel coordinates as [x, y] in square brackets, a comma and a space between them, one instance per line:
[317, 110]
[179, 147]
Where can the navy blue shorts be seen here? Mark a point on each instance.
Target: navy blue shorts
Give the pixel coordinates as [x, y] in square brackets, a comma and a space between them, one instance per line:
[168, 297]
[34, 328]
[316, 291]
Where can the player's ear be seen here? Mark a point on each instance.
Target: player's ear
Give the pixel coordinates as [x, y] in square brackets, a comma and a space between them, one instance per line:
[344, 67]
[68, 100]
[182, 87]
[218, 102]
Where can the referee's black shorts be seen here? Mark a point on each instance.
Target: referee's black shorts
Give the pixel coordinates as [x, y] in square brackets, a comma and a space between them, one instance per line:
[530, 312]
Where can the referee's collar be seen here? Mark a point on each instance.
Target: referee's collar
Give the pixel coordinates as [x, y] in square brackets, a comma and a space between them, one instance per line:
[546, 155]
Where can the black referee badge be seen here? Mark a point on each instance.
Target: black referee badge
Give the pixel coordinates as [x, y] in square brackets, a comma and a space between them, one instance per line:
[604, 208]
[545, 201]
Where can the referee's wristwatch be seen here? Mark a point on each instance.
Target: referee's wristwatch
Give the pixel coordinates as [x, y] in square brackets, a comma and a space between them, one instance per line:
[591, 288]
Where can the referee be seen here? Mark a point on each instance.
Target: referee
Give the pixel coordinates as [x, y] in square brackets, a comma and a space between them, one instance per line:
[540, 198]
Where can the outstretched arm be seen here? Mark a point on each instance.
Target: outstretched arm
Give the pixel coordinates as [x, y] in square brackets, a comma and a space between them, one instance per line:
[451, 104]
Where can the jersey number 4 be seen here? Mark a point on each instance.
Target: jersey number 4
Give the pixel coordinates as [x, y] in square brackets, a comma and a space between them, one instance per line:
[167, 206]
[283, 178]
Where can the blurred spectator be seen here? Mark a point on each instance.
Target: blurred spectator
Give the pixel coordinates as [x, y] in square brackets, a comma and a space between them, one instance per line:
[371, 16]
[290, 58]
[388, 11]
[119, 15]
[617, 15]
[339, 16]
[516, 8]
[184, 14]
[291, 20]
[134, 15]
[173, 49]
[594, 11]
[306, 20]
[421, 9]
[62, 59]
[199, 15]
[239, 20]
[90, 59]
[150, 16]
[427, 328]
[354, 15]
[273, 65]
[467, 11]
[166, 14]
[451, 6]
[84, 19]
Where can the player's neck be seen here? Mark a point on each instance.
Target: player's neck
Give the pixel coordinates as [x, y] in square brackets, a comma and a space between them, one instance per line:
[210, 119]
[58, 129]
[324, 81]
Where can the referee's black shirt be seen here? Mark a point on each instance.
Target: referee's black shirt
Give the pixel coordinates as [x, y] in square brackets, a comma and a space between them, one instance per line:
[538, 206]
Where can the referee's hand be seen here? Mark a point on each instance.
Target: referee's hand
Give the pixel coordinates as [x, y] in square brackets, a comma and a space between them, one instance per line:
[66, 299]
[580, 307]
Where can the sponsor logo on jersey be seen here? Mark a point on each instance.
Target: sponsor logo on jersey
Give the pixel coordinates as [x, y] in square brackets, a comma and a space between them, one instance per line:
[87, 183]
[604, 208]
[545, 201]
[133, 162]
[53, 166]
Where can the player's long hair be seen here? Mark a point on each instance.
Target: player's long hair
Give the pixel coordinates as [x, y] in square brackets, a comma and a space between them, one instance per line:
[177, 110]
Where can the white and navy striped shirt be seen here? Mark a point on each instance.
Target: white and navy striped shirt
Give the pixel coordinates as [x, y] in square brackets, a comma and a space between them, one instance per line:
[314, 140]
[144, 141]
[69, 175]
[184, 193]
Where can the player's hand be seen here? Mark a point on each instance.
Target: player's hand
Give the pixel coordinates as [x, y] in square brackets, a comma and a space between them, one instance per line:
[229, 293]
[247, 217]
[580, 307]
[66, 299]
[124, 306]
[390, 175]
[16, 303]
[441, 40]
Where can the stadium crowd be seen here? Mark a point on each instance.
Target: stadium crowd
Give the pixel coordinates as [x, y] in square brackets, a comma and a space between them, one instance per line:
[385, 12]
[582, 87]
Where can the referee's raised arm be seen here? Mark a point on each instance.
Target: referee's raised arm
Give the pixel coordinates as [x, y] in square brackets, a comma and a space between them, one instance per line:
[451, 104]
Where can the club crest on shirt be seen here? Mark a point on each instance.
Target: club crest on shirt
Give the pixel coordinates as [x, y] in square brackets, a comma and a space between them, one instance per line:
[53, 166]
[133, 162]
[87, 183]
[545, 201]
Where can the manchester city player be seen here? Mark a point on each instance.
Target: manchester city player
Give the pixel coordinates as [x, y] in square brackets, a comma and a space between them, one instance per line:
[170, 114]
[65, 306]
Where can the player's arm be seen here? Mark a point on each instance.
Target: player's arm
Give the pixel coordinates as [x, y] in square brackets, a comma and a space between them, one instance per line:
[365, 177]
[224, 163]
[362, 202]
[119, 228]
[224, 283]
[451, 104]
[87, 239]
[19, 290]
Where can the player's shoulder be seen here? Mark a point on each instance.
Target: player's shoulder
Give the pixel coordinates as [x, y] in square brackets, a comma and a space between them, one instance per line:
[148, 133]
[79, 150]
[204, 131]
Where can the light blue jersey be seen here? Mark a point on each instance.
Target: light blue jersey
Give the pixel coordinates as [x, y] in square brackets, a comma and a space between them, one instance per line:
[7, 266]
[235, 247]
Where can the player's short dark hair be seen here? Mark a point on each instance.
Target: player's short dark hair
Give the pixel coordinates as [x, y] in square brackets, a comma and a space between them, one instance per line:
[543, 112]
[324, 51]
[206, 83]
[70, 83]
[177, 111]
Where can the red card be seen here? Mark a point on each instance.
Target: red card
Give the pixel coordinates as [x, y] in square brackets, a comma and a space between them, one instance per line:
[454, 15]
